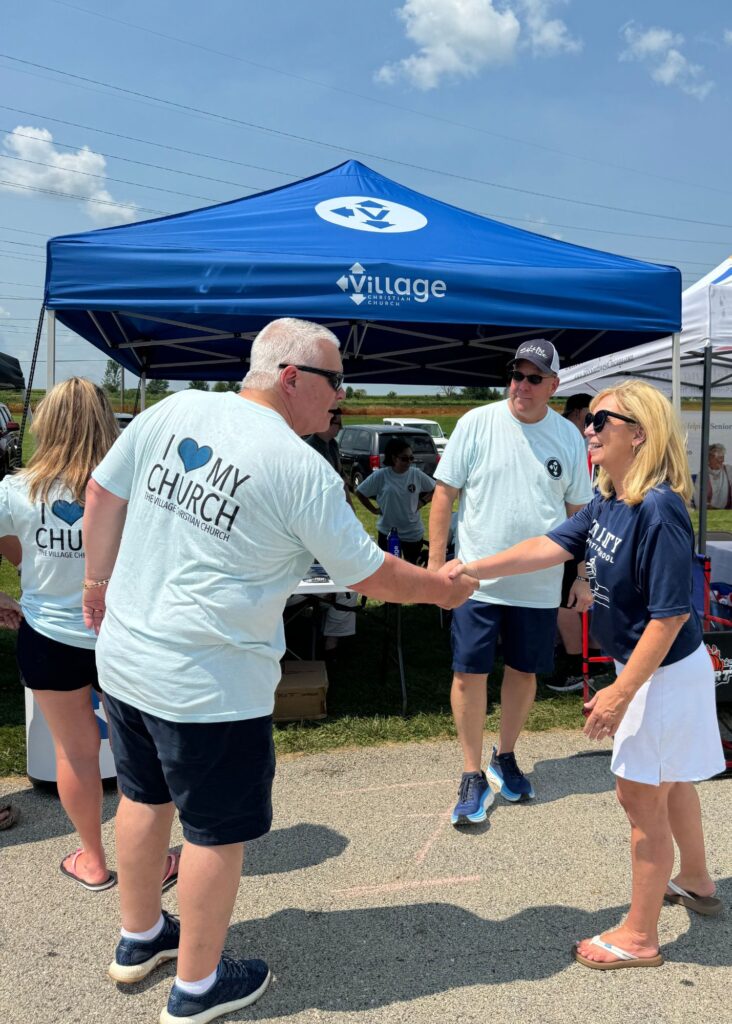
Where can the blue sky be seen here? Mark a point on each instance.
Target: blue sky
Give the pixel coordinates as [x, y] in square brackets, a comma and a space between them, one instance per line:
[624, 105]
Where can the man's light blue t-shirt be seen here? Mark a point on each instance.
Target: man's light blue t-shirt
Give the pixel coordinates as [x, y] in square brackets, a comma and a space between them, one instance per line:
[398, 498]
[227, 510]
[514, 480]
[53, 559]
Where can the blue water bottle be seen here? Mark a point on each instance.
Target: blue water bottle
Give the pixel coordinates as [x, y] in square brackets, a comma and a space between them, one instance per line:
[392, 543]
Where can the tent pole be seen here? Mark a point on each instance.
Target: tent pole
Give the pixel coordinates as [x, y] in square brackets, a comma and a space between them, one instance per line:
[122, 388]
[50, 349]
[704, 466]
[143, 388]
[676, 372]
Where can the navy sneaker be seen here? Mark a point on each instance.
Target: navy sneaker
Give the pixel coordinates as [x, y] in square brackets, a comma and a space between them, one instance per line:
[134, 959]
[474, 797]
[506, 774]
[238, 983]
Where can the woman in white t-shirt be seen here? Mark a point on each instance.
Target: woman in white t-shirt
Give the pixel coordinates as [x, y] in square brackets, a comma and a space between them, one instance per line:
[401, 490]
[43, 506]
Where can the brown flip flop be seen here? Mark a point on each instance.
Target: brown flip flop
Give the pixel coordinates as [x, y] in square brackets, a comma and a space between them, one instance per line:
[709, 906]
[624, 958]
[12, 816]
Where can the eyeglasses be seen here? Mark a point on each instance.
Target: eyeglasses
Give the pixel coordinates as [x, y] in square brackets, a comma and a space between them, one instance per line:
[334, 377]
[532, 378]
[404, 458]
[599, 419]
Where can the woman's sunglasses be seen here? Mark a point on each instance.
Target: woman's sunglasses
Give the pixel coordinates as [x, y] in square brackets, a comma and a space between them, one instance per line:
[599, 419]
[532, 378]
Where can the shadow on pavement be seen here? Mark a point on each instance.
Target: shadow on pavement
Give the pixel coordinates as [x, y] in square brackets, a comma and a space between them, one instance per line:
[293, 848]
[42, 817]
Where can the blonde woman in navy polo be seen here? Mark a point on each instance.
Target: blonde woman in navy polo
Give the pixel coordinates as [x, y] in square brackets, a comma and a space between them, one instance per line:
[638, 544]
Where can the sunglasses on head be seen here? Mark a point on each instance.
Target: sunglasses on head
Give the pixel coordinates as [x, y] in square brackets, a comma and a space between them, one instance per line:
[334, 377]
[532, 378]
[599, 419]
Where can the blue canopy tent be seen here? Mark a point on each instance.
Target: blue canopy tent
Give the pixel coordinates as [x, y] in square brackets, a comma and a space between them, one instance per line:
[419, 292]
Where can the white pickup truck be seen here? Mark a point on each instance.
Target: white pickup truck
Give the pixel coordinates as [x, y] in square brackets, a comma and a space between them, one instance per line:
[432, 427]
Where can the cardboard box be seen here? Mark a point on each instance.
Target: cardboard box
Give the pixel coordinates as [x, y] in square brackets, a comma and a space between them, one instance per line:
[301, 692]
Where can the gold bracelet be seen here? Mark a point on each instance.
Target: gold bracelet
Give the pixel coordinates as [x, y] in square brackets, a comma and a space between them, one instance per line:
[95, 583]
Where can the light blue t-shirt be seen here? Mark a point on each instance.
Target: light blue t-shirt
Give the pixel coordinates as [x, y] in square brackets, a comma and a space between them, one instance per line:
[514, 480]
[53, 559]
[227, 509]
[398, 498]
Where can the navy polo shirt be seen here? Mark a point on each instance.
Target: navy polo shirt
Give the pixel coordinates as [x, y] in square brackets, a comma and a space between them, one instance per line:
[639, 562]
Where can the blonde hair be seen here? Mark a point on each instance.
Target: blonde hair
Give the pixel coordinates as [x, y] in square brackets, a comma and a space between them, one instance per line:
[74, 428]
[661, 457]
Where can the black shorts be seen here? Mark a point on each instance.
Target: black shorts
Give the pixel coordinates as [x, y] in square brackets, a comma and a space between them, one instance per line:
[46, 664]
[218, 774]
[570, 575]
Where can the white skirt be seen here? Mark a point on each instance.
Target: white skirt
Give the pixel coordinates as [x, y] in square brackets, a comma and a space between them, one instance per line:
[670, 731]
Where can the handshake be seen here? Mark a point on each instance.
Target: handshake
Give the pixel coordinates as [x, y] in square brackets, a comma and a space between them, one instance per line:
[460, 582]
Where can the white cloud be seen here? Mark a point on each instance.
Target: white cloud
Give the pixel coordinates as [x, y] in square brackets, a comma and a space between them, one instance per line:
[59, 172]
[547, 36]
[660, 50]
[458, 38]
[728, 36]
[455, 38]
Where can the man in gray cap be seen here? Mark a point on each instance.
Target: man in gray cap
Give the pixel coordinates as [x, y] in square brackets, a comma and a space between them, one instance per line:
[518, 469]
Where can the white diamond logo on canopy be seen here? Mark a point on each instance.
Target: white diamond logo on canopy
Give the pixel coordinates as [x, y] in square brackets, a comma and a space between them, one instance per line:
[364, 213]
[384, 290]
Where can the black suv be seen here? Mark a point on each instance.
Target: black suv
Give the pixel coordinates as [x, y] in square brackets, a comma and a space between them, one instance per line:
[9, 442]
[362, 448]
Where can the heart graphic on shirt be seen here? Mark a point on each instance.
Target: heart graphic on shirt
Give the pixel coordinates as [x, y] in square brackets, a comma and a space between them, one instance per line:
[69, 511]
[192, 456]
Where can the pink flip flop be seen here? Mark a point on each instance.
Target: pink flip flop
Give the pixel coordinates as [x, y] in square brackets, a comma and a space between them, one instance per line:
[170, 876]
[71, 872]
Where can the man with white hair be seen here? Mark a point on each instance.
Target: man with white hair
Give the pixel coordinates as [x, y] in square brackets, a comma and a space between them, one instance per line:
[200, 521]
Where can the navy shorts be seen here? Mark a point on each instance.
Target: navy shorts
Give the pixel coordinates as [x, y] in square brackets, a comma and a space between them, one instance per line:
[46, 664]
[527, 635]
[218, 774]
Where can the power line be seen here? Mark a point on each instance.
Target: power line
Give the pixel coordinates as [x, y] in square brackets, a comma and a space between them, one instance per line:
[227, 119]
[129, 160]
[209, 156]
[83, 199]
[385, 103]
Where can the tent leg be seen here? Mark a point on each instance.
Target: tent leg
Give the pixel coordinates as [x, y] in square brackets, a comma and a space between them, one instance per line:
[50, 350]
[676, 372]
[122, 389]
[704, 467]
[143, 388]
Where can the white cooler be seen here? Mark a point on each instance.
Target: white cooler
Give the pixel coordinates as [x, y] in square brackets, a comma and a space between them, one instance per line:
[40, 756]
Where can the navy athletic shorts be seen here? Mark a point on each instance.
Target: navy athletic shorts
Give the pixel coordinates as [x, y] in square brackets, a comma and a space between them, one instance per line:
[527, 635]
[46, 664]
[218, 774]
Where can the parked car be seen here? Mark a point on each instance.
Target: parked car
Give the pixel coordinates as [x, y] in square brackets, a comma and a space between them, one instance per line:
[10, 455]
[432, 427]
[362, 448]
[123, 419]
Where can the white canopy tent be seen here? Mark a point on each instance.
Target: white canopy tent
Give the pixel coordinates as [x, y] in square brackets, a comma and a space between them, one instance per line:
[700, 362]
[706, 315]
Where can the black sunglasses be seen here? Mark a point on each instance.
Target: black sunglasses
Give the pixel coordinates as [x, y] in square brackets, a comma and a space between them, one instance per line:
[599, 419]
[404, 458]
[532, 378]
[334, 377]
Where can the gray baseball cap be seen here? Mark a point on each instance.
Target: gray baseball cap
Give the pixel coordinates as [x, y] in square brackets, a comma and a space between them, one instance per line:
[540, 352]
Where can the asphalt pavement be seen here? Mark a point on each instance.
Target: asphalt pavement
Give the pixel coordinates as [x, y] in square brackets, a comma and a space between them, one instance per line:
[370, 907]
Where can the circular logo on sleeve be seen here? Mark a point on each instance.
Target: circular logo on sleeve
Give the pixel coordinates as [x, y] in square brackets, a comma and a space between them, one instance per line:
[553, 468]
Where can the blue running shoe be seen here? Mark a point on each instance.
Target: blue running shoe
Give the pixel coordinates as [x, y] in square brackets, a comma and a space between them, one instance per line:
[134, 959]
[238, 983]
[511, 781]
[474, 797]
